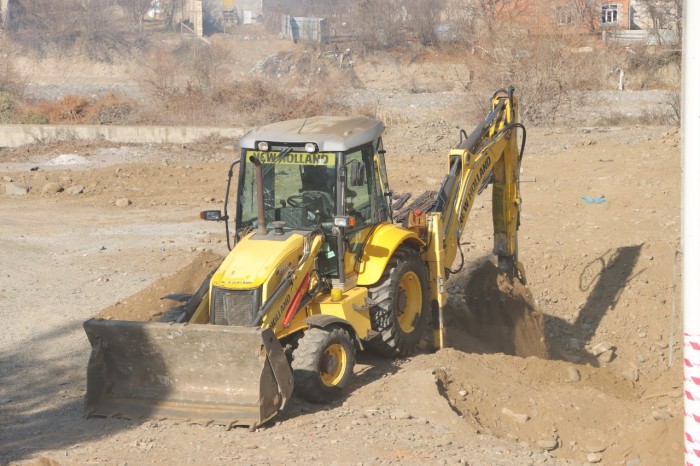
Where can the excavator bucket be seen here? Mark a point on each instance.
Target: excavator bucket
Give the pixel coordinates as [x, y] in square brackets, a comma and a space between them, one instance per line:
[202, 373]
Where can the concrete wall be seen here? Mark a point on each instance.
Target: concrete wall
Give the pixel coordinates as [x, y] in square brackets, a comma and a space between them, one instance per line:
[303, 28]
[19, 135]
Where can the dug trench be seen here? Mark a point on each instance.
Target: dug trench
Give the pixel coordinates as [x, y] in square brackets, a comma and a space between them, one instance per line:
[503, 377]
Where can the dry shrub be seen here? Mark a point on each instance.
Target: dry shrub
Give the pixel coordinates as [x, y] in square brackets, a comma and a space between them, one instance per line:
[13, 112]
[189, 85]
[7, 114]
[259, 100]
[68, 109]
[673, 98]
[74, 109]
[649, 67]
[110, 109]
[647, 117]
[543, 68]
[161, 71]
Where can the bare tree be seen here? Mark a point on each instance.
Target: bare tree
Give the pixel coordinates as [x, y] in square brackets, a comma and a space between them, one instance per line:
[664, 14]
[462, 18]
[493, 10]
[171, 11]
[377, 25]
[86, 26]
[422, 16]
[586, 13]
[135, 11]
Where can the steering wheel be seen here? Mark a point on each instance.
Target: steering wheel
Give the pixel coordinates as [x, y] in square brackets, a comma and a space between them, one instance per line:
[313, 199]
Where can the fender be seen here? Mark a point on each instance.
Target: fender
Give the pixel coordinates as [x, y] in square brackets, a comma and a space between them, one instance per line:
[325, 320]
[381, 245]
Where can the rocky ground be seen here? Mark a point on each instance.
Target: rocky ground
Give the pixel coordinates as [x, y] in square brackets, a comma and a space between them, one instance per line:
[86, 225]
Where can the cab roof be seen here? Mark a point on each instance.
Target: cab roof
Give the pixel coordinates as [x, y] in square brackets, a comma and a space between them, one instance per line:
[330, 133]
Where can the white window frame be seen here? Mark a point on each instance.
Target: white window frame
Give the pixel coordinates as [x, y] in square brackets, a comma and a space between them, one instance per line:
[610, 13]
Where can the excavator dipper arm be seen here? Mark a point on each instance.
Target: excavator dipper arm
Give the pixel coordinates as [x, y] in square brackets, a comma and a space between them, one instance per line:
[489, 155]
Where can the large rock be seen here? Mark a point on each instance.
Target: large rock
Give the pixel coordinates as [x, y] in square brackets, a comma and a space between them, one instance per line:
[51, 188]
[75, 190]
[123, 202]
[14, 189]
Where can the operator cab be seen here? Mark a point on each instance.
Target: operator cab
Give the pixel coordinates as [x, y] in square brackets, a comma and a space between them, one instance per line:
[318, 174]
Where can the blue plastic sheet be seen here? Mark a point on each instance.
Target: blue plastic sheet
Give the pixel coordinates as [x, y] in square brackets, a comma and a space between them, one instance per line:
[593, 200]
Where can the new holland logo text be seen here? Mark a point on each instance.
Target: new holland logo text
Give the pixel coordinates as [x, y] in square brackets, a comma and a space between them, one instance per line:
[280, 310]
[485, 168]
[295, 158]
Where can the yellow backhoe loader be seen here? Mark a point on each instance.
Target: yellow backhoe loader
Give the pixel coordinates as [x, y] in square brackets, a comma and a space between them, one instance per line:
[318, 268]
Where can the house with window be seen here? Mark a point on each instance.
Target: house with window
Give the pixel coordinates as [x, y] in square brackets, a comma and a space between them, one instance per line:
[569, 16]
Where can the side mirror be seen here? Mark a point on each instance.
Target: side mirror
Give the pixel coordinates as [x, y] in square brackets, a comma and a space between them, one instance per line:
[357, 173]
[212, 215]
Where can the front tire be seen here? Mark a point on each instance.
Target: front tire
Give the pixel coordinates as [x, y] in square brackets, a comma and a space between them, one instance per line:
[402, 303]
[323, 364]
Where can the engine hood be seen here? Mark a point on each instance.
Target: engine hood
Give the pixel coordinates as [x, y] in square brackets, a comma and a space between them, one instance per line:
[255, 258]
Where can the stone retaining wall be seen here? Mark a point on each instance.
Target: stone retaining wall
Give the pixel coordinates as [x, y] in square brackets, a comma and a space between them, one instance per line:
[19, 135]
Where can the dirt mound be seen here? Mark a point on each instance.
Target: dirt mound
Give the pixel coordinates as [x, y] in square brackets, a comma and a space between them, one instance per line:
[496, 314]
[557, 406]
[308, 68]
[149, 305]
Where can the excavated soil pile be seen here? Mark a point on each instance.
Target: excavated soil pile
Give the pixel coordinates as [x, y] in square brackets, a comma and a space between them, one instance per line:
[149, 305]
[496, 314]
[558, 406]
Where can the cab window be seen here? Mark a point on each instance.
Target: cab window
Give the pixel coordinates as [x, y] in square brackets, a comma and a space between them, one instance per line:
[360, 201]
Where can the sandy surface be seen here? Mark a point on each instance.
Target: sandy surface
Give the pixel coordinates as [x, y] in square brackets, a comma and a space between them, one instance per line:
[599, 302]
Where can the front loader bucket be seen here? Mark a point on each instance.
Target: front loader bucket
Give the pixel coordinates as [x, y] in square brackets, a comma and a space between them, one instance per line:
[202, 373]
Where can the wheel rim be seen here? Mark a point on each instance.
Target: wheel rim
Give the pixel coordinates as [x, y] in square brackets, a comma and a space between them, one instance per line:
[409, 301]
[334, 362]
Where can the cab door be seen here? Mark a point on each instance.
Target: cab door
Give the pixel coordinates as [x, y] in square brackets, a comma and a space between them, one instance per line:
[365, 203]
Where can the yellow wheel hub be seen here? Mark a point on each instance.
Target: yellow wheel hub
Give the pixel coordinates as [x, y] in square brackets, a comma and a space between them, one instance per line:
[334, 362]
[409, 301]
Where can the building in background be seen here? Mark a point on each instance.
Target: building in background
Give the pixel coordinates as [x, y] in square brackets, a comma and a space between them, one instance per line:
[651, 22]
[569, 16]
[250, 11]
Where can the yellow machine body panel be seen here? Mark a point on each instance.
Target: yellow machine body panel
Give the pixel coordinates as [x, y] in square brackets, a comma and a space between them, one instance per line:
[257, 258]
[351, 308]
[382, 243]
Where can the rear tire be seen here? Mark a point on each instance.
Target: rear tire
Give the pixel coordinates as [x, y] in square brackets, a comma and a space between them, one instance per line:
[402, 303]
[323, 364]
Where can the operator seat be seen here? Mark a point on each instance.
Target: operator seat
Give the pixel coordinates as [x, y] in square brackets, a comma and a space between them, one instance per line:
[318, 178]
